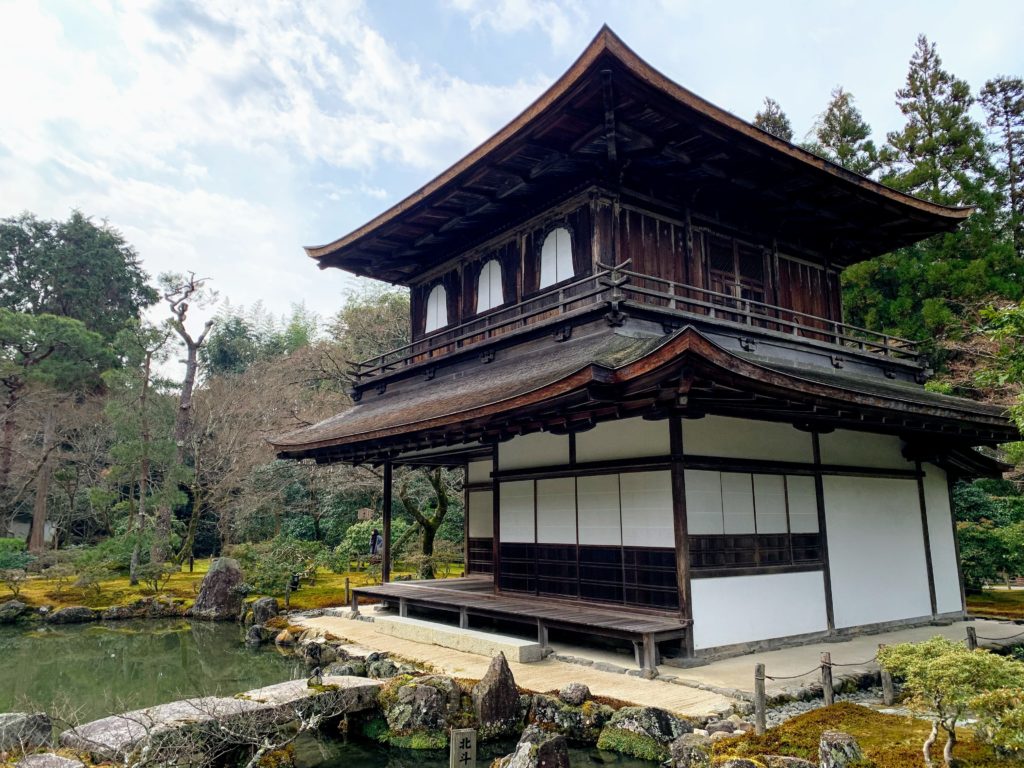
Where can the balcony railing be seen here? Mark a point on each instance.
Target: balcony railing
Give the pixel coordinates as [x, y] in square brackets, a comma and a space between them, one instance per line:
[618, 288]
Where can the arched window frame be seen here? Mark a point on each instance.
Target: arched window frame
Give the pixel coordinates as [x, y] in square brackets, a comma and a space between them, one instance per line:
[558, 276]
[489, 280]
[436, 310]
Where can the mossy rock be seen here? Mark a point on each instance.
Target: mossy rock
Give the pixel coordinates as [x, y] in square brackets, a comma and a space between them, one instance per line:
[579, 724]
[643, 732]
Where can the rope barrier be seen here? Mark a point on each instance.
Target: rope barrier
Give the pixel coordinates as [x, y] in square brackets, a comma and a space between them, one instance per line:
[1000, 639]
[793, 677]
[855, 663]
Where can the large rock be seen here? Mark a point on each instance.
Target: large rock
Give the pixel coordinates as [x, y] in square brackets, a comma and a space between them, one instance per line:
[537, 749]
[75, 614]
[739, 762]
[419, 711]
[264, 609]
[690, 751]
[579, 724]
[25, 731]
[496, 699]
[48, 760]
[644, 732]
[145, 608]
[220, 596]
[11, 611]
[838, 750]
[786, 761]
[574, 694]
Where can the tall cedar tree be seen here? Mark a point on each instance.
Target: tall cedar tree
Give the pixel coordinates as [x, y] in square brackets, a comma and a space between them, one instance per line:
[1003, 101]
[924, 291]
[842, 136]
[771, 118]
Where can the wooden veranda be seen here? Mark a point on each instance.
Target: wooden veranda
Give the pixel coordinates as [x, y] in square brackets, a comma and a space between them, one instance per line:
[474, 596]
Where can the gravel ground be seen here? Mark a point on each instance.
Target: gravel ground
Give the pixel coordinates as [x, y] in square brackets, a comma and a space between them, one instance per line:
[868, 697]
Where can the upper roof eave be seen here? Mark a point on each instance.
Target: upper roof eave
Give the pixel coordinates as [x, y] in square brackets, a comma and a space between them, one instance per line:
[607, 42]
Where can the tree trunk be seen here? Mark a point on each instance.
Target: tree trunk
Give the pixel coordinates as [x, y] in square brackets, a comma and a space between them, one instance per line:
[947, 751]
[140, 521]
[37, 536]
[926, 749]
[7, 442]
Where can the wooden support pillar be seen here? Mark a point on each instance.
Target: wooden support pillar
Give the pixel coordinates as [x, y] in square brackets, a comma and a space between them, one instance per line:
[956, 544]
[680, 529]
[927, 539]
[465, 521]
[819, 494]
[463, 618]
[385, 558]
[542, 634]
[496, 522]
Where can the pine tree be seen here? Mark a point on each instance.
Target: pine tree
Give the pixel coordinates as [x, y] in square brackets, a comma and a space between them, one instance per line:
[940, 154]
[842, 136]
[771, 118]
[1003, 101]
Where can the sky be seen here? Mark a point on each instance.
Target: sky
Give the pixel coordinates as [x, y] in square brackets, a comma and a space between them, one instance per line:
[222, 136]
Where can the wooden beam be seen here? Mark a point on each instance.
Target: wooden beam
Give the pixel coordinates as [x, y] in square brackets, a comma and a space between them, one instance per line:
[927, 539]
[819, 494]
[385, 560]
[680, 528]
[496, 522]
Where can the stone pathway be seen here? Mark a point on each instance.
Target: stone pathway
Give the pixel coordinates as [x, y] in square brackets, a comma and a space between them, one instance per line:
[541, 676]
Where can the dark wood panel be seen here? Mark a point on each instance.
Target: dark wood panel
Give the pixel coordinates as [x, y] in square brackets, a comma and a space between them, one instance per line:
[480, 554]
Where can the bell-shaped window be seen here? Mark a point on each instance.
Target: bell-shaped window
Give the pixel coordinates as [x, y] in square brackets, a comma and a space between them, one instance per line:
[437, 309]
[556, 257]
[488, 292]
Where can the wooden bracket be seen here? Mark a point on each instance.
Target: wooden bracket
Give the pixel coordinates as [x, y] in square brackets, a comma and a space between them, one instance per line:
[382, 387]
[837, 361]
[487, 356]
[356, 394]
[562, 333]
[429, 372]
[750, 345]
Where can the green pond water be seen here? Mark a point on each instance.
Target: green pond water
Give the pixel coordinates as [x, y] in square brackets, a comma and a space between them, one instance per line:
[102, 669]
[88, 671]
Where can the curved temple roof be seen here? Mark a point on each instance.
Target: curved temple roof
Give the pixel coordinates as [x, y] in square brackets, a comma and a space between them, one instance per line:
[612, 117]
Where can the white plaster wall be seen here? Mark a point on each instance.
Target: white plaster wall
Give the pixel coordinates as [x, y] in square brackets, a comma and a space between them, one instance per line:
[623, 439]
[741, 609]
[746, 439]
[541, 449]
[556, 511]
[940, 535]
[647, 509]
[479, 471]
[876, 550]
[598, 509]
[863, 449]
[517, 512]
[481, 515]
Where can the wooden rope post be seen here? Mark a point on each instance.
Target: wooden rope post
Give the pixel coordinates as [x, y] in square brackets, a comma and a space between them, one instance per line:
[348, 591]
[760, 701]
[888, 689]
[826, 679]
[355, 604]
[972, 639]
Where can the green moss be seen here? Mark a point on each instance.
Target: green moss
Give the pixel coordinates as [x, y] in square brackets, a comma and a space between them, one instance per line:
[375, 728]
[420, 740]
[887, 741]
[628, 743]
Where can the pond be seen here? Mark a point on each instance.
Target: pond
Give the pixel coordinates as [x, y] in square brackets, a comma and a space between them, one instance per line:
[101, 669]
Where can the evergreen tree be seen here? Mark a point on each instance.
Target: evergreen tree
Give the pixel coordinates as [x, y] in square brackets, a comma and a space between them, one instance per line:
[771, 118]
[927, 290]
[940, 154]
[842, 136]
[1003, 101]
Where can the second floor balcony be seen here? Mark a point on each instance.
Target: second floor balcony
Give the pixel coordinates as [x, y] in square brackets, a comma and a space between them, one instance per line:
[617, 292]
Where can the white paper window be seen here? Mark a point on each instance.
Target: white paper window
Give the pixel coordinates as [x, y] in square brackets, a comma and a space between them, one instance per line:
[556, 511]
[803, 504]
[437, 309]
[517, 512]
[704, 502]
[599, 515]
[489, 294]
[770, 503]
[647, 509]
[738, 502]
[556, 257]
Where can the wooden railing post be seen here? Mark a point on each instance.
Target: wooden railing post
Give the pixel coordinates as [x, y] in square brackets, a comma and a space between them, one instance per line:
[760, 701]
[888, 689]
[826, 679]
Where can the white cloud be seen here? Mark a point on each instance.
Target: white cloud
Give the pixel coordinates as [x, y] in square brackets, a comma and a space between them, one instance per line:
[561, 22]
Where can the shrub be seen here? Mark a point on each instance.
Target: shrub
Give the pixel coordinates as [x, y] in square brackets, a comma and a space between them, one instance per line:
[61, 574]
[14, 579]
[91, 576]
[156, 575]
[270, 566]
[946, 681]
[114, 554]
[13, 555]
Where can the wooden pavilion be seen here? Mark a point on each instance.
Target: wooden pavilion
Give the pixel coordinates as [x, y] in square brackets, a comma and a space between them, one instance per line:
[627, 327]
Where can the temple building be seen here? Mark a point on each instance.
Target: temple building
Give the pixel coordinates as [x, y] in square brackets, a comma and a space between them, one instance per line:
[627, 326]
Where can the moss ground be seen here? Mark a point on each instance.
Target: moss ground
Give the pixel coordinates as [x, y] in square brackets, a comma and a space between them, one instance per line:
[888, 741]
[997, 604]
[329, 590]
